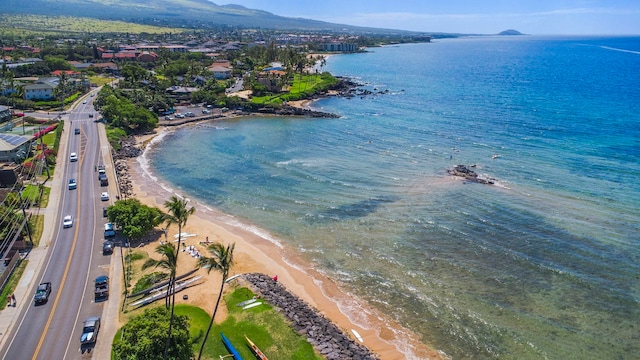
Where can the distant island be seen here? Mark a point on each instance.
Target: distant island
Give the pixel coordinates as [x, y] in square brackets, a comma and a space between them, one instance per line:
[510, 32]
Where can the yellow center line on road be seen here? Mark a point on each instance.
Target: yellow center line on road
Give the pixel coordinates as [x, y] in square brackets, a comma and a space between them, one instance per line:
[66, 269]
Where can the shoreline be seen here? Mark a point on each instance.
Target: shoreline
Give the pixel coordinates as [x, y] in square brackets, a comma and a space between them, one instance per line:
[258, 251]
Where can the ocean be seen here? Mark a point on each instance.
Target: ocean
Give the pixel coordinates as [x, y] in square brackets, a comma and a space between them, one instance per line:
[544, 264]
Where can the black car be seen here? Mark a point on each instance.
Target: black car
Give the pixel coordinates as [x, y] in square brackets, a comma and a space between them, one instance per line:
[104, 212]
[42, 293]
[77, 131]
[107, 247]
[101, 289]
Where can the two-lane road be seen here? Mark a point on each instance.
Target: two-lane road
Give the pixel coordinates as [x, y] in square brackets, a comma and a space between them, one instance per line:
[52, 330]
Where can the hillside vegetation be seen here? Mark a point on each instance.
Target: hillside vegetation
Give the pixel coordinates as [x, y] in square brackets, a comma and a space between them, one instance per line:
[190, 14]
[41, 24]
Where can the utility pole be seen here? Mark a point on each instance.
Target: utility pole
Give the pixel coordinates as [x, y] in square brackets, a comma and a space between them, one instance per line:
[24, 213]
[44, 158]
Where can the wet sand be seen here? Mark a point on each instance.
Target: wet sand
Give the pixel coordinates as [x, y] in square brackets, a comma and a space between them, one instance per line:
[262, 253]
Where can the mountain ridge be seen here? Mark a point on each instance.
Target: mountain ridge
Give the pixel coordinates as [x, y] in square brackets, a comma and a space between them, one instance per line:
[176, 13]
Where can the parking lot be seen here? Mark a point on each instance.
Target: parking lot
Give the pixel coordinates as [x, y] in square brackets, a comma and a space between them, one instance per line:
[192, 111]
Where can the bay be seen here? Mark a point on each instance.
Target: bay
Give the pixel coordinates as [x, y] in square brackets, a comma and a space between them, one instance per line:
[543, 264]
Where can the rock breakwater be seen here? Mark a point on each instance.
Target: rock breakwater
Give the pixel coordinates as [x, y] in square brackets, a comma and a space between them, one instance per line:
[323, 334]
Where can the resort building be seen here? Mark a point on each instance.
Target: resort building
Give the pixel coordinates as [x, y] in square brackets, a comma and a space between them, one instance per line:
[40, 90]
[340, 47]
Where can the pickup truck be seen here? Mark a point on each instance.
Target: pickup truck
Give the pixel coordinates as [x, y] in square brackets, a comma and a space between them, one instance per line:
[42, 293]
[90, 330]
[104, 181]
[102, 175]
[101, 289]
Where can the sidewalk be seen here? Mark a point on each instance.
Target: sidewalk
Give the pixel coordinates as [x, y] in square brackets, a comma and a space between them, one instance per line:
[25, 289]
[111, 310]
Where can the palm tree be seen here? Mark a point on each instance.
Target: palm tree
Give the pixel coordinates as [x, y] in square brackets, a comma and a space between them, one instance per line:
[221, 261]
[169, 262]
[178, 214]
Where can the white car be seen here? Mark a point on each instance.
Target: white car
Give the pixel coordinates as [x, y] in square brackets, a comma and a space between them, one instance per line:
[73, 157]
[104, 196]
[67, 221]
[73, 184]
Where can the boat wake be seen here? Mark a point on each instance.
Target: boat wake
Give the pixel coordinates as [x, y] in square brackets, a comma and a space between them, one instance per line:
[621, 50]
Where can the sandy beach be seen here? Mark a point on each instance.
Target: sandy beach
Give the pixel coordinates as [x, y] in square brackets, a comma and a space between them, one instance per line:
[262, 253]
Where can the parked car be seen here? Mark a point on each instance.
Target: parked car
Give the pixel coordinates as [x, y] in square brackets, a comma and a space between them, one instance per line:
[101, 288]
[67, 221]
[189, 114]
[109, 231]
[104, 196]
[180, 116]
[72, 184]
[104, 212]
[42, 293]
[104, 180]
[168, 117]
[90, 330]
[73, 157]
[107, 247]
[206, 111]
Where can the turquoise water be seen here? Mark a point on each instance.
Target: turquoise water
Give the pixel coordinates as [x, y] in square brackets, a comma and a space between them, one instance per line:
[545, 264]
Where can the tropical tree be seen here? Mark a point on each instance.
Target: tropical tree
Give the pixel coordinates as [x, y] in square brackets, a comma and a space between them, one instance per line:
[221, 261]
[134, 218]
[178, 213]
[168, 262]
[142, 337]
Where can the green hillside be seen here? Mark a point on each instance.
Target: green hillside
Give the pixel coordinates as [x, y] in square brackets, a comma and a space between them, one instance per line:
[168, 13]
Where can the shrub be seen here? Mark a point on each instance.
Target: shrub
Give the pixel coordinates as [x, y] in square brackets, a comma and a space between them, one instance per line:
[148, 281]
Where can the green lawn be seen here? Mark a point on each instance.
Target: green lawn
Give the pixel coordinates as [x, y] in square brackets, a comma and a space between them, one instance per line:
[32, 192]
[12, 283]
[302, 87]
[49, 139]
[37, 226]
[266, 327]
[100, 80]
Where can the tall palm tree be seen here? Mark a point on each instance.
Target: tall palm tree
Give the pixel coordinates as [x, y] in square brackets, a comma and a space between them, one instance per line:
[169, 262]
[221, 260]
[178, 214]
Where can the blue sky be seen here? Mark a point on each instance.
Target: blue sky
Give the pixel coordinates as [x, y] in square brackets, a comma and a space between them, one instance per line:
[591, 17]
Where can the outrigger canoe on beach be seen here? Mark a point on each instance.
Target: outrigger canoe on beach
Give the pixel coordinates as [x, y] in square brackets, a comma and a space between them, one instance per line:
[230, 347]
[256, 351]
